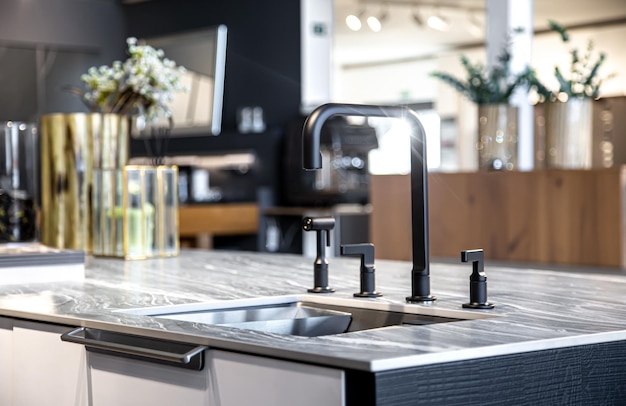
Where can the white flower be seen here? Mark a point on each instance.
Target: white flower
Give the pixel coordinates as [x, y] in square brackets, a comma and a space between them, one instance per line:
[143, 84]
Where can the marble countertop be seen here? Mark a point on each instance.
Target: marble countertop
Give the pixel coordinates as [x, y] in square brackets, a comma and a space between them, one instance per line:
[535, 309]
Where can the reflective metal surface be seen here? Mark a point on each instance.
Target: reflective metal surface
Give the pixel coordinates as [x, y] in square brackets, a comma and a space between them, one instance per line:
[300, 318]
[72, 145]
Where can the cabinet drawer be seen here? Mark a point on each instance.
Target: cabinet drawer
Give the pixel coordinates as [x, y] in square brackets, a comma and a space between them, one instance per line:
[118, 381]
[130, 370]
[241, 379]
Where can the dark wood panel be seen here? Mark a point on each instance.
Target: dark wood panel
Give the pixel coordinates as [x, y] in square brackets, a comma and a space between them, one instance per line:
[582, 375]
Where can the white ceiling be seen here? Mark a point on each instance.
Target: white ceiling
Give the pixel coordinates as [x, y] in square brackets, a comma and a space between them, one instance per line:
[402, 38]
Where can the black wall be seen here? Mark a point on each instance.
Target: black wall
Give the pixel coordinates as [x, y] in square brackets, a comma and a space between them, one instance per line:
[262, 61]
[68, 37]
[263, 54]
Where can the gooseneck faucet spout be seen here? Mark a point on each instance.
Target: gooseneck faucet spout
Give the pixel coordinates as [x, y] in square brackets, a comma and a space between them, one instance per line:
[312, 159]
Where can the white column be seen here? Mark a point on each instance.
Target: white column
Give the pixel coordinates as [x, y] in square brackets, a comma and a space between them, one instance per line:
[316, 51]
[503, 17]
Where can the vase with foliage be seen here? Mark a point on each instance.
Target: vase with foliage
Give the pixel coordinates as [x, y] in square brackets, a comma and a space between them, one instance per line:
[563, 130]
[80, 150]
[491, 90]
[144, 84]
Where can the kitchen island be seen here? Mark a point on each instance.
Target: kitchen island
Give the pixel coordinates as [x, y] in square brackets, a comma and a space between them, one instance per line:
[554, 337]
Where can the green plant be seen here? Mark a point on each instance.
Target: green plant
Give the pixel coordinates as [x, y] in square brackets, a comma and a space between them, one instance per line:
[486, 86]
[583, 79]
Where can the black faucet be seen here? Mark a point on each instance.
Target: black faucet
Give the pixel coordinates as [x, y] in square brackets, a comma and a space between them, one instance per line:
[312, 159]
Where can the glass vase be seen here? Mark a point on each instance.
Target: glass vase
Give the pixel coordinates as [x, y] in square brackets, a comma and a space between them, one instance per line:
[497, 137]
[569, 134]
[140, 218]
[19, 176]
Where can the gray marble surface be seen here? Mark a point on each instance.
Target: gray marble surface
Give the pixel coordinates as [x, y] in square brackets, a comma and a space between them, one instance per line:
[535, 309]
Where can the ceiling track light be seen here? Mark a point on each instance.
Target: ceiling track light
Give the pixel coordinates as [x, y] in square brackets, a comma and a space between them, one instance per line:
[353, 21]
[438, 22]
[376, 23]
[435, 21]
[474, 26]
[417, 18]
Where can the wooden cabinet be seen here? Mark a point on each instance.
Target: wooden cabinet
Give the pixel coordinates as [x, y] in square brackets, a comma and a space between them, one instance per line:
[218, 219]
[204, 221]
[575, 217]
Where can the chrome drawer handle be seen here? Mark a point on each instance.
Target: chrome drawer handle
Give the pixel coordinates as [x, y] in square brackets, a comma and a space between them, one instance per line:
[149, 349]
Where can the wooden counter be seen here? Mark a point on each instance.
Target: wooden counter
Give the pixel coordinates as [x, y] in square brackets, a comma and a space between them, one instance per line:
[548, 216]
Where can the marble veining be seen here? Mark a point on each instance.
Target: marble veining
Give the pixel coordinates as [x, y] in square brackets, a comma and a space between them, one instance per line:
[537, 309]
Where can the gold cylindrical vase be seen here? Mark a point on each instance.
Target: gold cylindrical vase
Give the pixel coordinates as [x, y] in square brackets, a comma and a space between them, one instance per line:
[497, 137]
[72, 145]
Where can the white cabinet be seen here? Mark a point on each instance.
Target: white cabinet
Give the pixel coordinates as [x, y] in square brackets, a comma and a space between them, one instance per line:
[119, 381]
[38, 368]
[46, 370]
[6, 361]
[239, 379]
[126, 370]
[228, 379]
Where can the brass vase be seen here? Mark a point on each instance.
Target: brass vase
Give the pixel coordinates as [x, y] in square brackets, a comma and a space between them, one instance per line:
[72, 146]
[497, 137]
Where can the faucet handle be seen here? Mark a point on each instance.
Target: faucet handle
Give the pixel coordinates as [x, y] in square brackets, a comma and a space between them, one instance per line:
[478, 280]
[366, 252]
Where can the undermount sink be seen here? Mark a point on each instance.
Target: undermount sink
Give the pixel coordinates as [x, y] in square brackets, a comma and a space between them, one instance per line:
[290, 318]
[305, 315]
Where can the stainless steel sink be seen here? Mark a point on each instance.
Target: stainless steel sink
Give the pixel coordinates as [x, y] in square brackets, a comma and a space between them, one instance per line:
[307, 315]
[291, 318]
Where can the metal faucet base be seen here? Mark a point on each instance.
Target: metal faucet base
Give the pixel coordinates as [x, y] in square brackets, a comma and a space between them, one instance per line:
[478, 305]
[368, 294]
[320, 289]
[416, 299]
